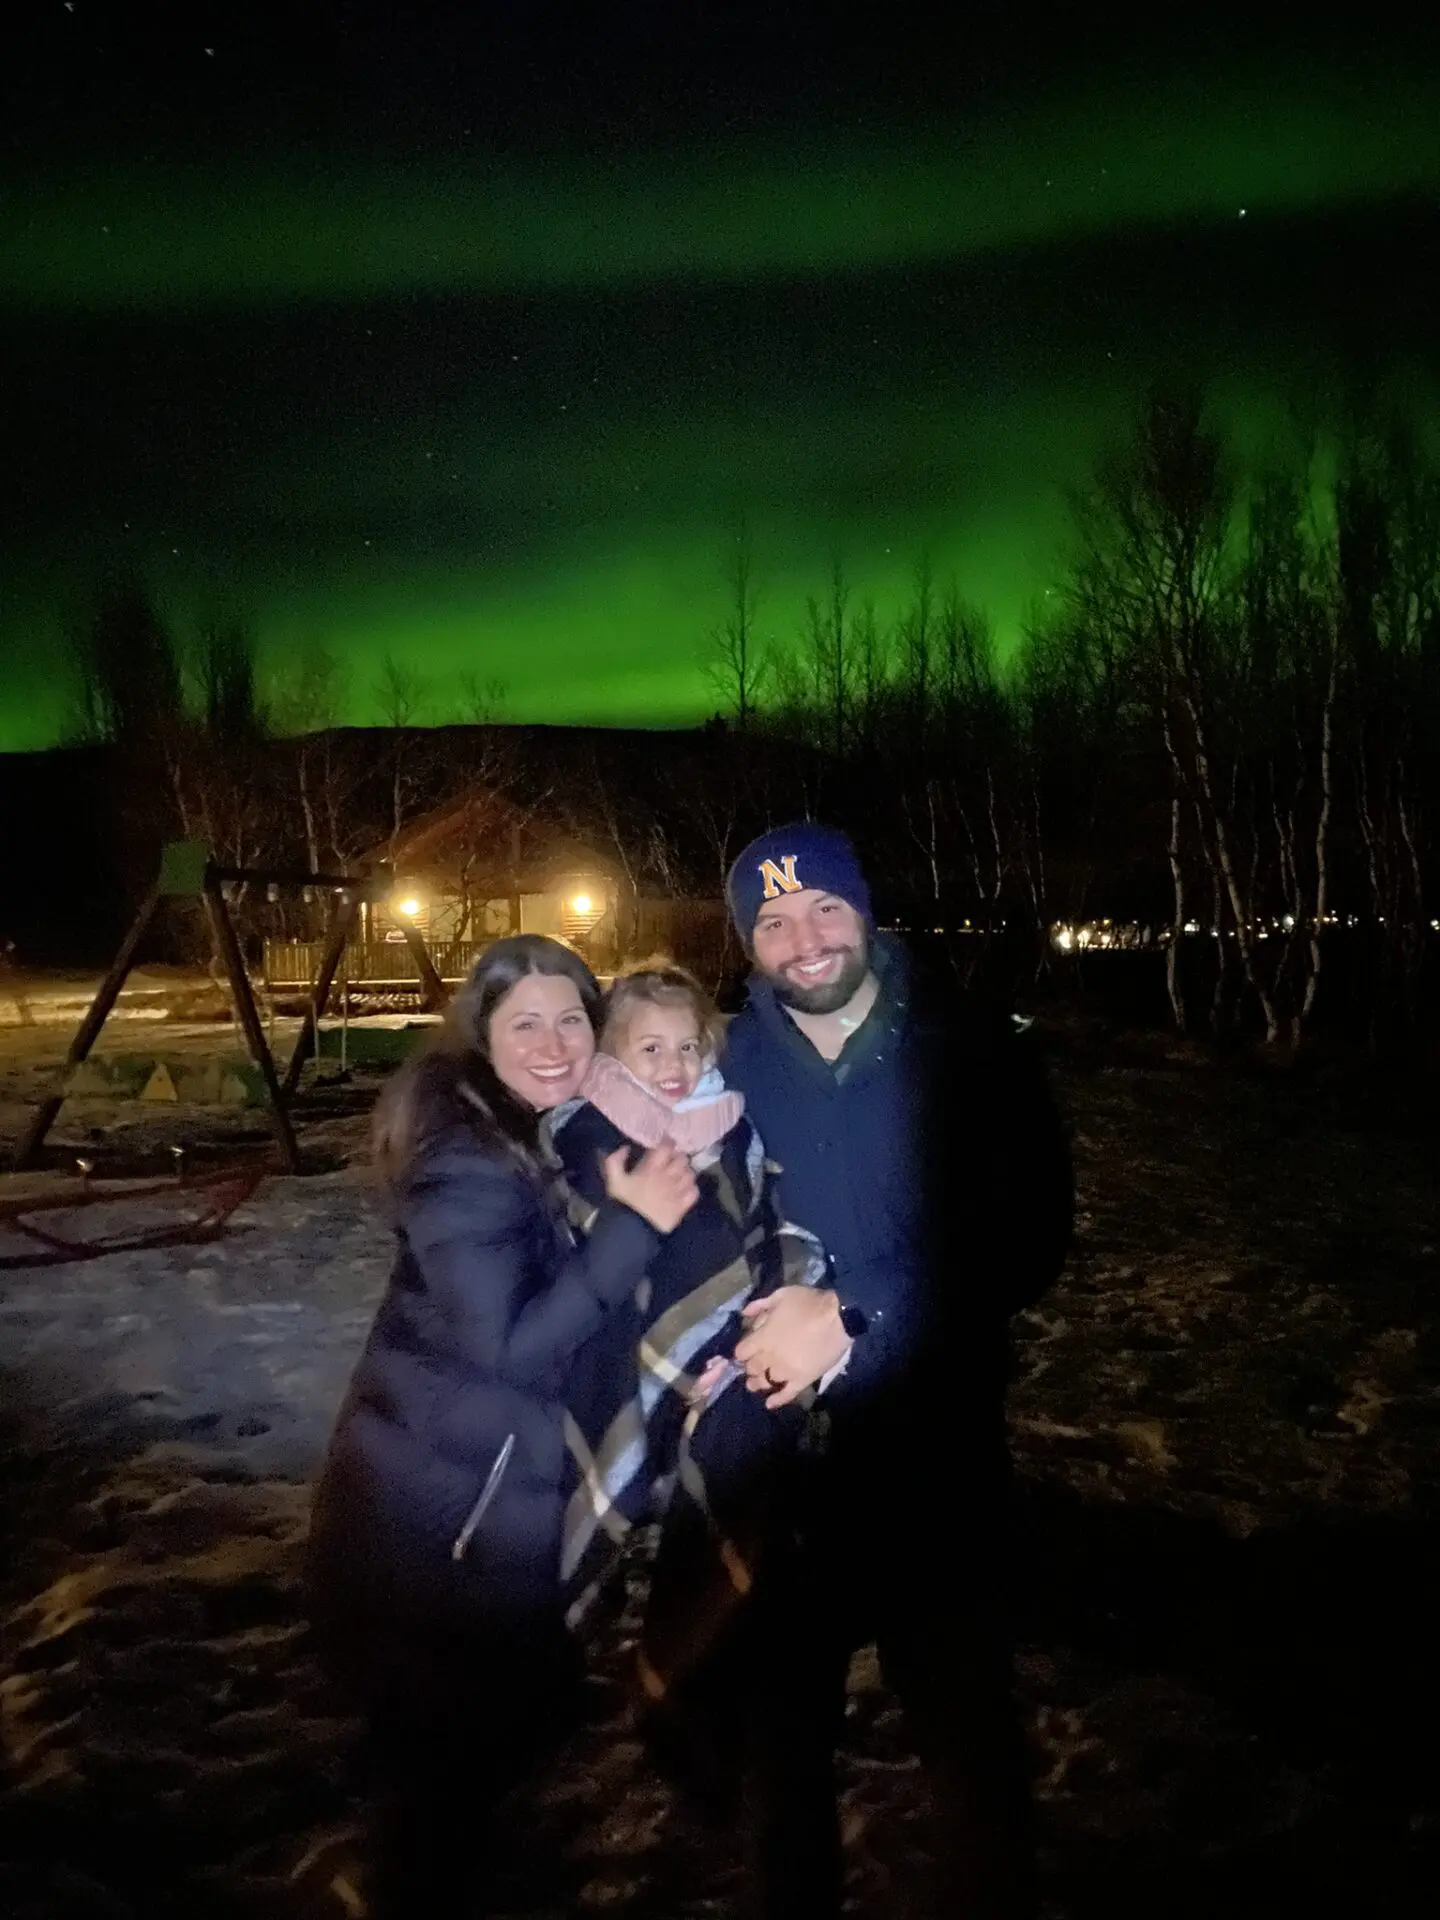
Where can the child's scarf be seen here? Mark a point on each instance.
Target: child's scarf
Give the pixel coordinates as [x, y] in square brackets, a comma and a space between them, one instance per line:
[694, 1125]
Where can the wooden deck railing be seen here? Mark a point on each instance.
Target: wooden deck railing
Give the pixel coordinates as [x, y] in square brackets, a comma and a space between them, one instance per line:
[293, 963]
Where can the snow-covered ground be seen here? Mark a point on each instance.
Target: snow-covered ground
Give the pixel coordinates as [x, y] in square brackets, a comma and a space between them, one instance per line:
[45, 999]
[1226, 1420]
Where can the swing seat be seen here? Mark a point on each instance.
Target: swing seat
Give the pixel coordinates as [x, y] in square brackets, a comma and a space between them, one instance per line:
[47, 1219]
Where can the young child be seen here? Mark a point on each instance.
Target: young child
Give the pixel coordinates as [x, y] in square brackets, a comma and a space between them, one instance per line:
[645, 1439]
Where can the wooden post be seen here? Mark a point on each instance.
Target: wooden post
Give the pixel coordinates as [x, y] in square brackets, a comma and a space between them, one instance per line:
[435, 994]
[228, 942]
[28, 1151]
[342, 918]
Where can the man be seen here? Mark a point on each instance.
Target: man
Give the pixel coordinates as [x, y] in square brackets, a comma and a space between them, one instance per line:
[925, 1153]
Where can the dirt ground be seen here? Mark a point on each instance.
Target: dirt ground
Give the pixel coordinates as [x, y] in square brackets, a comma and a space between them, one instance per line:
[1226, 1420]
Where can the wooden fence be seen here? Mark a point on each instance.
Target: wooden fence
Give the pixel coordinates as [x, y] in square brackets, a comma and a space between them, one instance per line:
[370, 963]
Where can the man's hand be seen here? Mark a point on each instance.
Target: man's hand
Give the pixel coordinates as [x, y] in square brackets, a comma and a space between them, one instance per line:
[795, 1338]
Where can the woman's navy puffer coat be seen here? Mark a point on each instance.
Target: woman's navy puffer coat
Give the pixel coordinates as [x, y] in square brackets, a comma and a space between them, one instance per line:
[441, 1499]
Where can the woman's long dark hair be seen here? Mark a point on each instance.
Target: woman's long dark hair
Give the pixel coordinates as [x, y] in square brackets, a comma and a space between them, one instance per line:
[452, 1078]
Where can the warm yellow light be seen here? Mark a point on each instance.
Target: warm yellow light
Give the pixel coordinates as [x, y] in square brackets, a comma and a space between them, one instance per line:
[582, 903]
[410, 908]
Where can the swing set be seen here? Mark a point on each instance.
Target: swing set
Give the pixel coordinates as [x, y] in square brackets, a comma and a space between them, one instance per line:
[188, 872]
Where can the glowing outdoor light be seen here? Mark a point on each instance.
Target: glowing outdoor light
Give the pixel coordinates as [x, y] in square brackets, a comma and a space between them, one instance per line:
[409, 908]
[582, 903]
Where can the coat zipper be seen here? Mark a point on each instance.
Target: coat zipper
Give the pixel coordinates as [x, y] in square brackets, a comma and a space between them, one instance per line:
[487, 1494]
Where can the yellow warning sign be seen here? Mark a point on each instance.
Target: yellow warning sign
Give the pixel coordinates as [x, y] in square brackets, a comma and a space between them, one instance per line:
[159, 1086]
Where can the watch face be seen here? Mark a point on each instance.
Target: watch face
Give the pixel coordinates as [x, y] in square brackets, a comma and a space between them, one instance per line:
[853, 1321]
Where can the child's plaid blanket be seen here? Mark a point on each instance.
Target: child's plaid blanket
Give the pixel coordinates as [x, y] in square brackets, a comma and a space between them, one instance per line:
[639, 1448]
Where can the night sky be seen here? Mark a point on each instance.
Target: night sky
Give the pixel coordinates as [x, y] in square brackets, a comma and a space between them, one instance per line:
[465, 333]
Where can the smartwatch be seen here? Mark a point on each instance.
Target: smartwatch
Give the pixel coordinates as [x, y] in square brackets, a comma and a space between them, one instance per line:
[854, 1321]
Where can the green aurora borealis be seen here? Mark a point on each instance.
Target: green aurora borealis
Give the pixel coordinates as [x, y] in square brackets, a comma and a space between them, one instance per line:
[495, 415]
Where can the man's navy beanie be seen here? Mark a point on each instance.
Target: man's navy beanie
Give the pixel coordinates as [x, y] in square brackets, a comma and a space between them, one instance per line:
[794, 859]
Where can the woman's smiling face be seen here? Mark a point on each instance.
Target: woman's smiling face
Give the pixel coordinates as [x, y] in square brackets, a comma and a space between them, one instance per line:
[541, 1040]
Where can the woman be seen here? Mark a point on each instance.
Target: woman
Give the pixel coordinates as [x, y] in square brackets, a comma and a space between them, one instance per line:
[436, 1531]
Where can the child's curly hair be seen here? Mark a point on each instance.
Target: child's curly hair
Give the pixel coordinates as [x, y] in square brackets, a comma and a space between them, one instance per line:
[659, 982]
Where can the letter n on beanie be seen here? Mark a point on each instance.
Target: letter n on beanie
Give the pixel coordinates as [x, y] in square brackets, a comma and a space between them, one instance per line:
[779, 879]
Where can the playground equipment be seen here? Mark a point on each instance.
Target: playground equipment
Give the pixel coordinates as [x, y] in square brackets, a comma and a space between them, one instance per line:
[46, 1228]
[187, 872]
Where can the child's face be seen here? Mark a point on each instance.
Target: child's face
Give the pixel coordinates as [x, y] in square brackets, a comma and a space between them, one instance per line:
[662, 1048]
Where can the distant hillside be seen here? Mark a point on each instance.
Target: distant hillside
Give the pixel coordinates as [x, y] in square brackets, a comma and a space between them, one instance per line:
[65, 900]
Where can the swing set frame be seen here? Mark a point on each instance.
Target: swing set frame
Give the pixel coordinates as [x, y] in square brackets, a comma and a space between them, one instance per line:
[188, 872]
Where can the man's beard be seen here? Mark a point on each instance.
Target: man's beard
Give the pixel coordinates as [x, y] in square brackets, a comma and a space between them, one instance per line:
[830, 995]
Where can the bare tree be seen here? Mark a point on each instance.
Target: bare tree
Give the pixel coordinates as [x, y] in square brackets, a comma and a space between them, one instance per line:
[219, 756]
[830, 658]
[482, 698]
[127, 667]
[736, 661]
[1154, 534]
[1388, 546]
[306, 703]
[402, 695]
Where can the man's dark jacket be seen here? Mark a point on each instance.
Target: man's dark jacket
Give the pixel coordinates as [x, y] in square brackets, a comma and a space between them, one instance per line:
[931, 1162]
